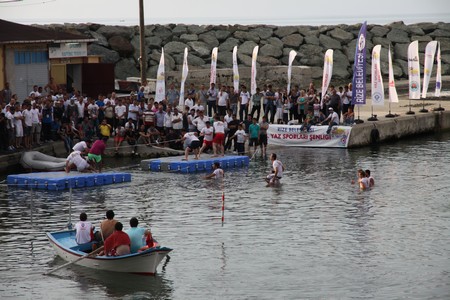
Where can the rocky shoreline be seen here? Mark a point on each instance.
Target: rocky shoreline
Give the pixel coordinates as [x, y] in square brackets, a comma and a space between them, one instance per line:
[120, 45]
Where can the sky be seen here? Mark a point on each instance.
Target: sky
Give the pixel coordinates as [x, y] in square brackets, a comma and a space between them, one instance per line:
[275, 12]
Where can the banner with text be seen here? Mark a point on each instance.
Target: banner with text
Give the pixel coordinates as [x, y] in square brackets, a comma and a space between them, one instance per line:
[213, 65]
[291, 135]
[414, 70]
[292, 55]
[160, 93]
[377, 80]
[235, 70]
[393, 97]
[359, 68]
[437, 93]
[184, 75]
[327, 73]
[253, 85]
[430, 50]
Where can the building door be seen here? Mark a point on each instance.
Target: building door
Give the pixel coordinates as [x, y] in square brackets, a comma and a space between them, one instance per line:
[26, 68]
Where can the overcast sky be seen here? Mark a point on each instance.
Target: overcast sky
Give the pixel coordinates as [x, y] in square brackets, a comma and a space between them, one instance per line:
[277, 12]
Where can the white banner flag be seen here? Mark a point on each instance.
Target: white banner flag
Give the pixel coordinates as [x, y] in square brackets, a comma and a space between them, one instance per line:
[235, 70]
[160, 93]
[393, 97]
[377, 80]
[430, 50]
[184, 74]
[414, 70]
[327, 73]
[253, 76]
[213, 65]
[292, 56]
[437, 93]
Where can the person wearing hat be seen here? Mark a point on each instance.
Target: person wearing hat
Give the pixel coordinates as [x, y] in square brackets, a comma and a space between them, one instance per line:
[332, 120]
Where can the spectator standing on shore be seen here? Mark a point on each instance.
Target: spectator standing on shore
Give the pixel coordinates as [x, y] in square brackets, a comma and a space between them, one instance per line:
[222, 101]
[202, 96]
[253, 131]
[271, 105]
[172, 95]
[120, 113]
[5, 94]
[256, 103]
[212, 99]
[18, 125]
[234, 100]
[244, 98]
[28, 124]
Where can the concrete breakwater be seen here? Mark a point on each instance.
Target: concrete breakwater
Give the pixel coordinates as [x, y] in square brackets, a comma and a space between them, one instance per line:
[120, 45]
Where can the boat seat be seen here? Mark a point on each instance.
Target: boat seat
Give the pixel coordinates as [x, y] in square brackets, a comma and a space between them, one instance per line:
[86, 247]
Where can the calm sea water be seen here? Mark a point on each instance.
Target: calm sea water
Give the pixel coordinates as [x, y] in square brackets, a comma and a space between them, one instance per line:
[315, 237]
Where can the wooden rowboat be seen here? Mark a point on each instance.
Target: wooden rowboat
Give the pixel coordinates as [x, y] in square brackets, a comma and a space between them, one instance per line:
[143, 263]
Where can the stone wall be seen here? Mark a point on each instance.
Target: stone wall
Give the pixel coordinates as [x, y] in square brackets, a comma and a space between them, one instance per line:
[120, 45]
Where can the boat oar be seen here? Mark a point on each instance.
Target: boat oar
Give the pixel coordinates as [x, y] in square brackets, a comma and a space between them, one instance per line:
[76, 260]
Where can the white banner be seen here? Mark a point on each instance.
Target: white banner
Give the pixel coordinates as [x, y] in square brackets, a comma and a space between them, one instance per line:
[64, 50]
[184, 75]
[430, 50]
[393, 97]
[253, 75]
[213, 65]
[377, 80]
[291, 135]
[327, 73]
[292, 56]
[437, 93]
[235, 70]
[160, 92]
[414, 70]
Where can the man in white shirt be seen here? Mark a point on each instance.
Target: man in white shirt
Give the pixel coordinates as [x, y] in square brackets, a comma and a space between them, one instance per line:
[277, 171]
[244, 97]
[177, 121]
[36, 125]
[219, 137]
[207, 133]
[217, 173]
[332, 119]
[120, 111]
[192, 143]
[222, 101]
[76, 160]
[84, 230]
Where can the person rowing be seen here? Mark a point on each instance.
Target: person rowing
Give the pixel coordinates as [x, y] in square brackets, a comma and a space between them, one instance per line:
[273, 179]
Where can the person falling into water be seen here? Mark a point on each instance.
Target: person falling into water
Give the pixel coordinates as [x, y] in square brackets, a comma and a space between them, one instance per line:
[217, 173]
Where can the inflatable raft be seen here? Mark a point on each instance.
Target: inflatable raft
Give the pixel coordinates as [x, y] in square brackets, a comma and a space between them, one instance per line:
[41, 162]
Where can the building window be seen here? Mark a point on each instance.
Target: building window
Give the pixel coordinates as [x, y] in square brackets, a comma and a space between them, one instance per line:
[30, 57]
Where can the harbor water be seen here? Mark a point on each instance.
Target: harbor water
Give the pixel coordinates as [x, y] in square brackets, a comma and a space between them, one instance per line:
[315, 237]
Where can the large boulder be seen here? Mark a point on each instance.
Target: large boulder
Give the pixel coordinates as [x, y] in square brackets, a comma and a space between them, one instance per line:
[148, 30]
[196, 29]
[285, 30]
[274, 41]
[271, 50]
[384, 42]
[229, 44]
[398, 36]
[225, 58]
[341, 35]
[209, 38]
[245, 59]
[421, 38]
[188, 38]
[329, 43]
[108, 56]
[179, 30]
[247, 36]
[153, 42]
[310, 55]
[247, 48]
[263, 32]
[340, 64]
[200, 48]
[101, 40]
[440, 33]
[126, 68]
[293, 40]
[268, 61]
[308, 30]
[222, 35]
[121, 45]
[379, 31]
[401, 51]
[110, 31]
[402, 64]
[193, 60]
[174, 47]
[312, 40]
[163, 32]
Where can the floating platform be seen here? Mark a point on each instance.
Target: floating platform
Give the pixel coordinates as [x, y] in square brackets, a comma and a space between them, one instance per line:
[57, 181]
[175, 164]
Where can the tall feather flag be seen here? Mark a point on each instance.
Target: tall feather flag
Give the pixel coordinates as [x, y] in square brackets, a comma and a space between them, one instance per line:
[235, 70]
[160, 93]
[292, 55]
[430, 50]
[213, 65]
[253, 75]
[393, 97]
[377, 80]
[184, 75]
[414, 70]
[359, 68]
[327, 73]
[437, 93]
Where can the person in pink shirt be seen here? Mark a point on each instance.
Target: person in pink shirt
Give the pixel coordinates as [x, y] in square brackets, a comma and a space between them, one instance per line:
[96, 152]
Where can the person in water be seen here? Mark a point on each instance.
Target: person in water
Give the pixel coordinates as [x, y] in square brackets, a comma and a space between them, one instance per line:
[217, 172]
[277, 172]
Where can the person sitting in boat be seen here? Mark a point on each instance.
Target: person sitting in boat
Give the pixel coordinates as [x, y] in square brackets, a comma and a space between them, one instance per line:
[217, 173]
[75, 160]
[117, 243]
[277, 172]
[84, 230]
[106, 227]
[137, 235]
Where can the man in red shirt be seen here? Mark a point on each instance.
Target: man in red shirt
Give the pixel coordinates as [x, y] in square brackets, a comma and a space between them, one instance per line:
[117, 243]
